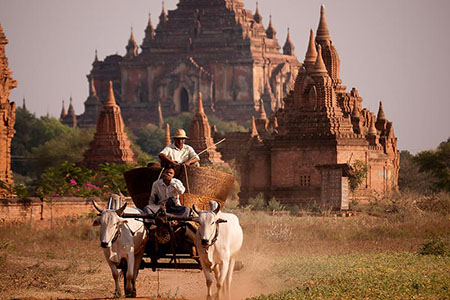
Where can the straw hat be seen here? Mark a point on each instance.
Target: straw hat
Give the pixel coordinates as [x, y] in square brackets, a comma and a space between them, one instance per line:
[180, 134]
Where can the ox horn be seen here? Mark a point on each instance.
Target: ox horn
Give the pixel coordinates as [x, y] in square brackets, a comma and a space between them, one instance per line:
[96, 206]
[195, 209]
[216, 211]
[121, 210]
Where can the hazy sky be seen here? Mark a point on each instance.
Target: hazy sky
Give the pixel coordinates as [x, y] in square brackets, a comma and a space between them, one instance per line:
[397, 51]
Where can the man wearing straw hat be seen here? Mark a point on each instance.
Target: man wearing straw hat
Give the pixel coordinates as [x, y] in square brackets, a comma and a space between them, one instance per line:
[179, 153]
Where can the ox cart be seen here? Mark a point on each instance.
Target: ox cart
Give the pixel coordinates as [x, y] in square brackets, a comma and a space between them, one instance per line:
[171, 240]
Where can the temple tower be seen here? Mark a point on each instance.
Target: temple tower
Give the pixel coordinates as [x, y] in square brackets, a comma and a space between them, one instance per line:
[322, 130]
[180, 58]
[7, 113]
[110, 142]
[63, 112]
[70, 119]
[92, 107]
[200, 136]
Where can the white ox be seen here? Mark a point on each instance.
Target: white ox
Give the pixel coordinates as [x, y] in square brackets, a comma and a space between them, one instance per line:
[123, 242]
[219, 239]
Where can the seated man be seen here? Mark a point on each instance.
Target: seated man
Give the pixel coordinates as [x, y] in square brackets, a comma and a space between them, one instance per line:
[166, 192]
[179, 153]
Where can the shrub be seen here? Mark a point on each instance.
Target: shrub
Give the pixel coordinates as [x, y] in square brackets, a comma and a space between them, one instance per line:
[293, 209]
[275, 205]
[112, 177]
[258, 202]
[71, 180]
[435, 246]
[357, 172]
[439, 203]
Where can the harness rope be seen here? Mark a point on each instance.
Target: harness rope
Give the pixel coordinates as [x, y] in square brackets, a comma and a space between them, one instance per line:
[216, 235]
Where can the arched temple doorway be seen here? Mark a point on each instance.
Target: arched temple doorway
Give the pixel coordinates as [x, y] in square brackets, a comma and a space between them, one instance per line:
[184, 100]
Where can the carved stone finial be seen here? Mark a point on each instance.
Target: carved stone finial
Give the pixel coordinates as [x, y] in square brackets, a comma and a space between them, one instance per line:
[323, 33]
[311, 53]
[110, 100]
[319, 66]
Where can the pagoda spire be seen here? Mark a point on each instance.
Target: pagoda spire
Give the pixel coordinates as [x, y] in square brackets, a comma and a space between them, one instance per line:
[63, 111]
[270, 32]
[355, 111]
[92, 91]
[70, 110]
[323, 35]
[381, 119]
[257, 16]
[70, 119]
[380, 115]
[110, 100]
[163, 15]
[288, 48]
[167, 141]
[160, 121]
[131, 46]
[372, 128]
[96, 56]
[24, 107]
[149, 34]
[329, 52]
[319, 67]
[261, 121]
[262, 112]
[200, 135]
[356, 119]
[200, 109]
[311, 53]
[110, 143]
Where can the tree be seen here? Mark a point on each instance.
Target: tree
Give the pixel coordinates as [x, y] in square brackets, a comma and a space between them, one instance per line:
[150, 139]
[224, 127]
[437, 163]
[30, 133]
[410, 177]
[68, 147]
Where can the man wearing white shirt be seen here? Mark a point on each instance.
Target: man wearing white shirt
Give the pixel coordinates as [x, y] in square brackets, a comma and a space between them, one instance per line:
[166, 192]
[179, 153]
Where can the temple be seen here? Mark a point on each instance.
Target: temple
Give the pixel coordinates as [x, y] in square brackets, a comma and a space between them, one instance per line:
[110, 142]
[200, 136]
[216, 48]
[7, 113]
[302, 153]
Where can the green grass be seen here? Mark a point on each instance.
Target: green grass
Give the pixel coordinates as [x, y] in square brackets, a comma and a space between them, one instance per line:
[364, 276]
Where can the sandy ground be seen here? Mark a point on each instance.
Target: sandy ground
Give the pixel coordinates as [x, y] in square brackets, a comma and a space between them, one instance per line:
[30, 279]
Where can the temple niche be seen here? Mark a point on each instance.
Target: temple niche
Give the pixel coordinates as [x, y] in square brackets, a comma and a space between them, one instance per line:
[7, 113]
[216, 48]
[302, 152]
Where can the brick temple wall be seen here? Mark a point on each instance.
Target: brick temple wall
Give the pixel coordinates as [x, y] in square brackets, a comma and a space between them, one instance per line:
[35, 209]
